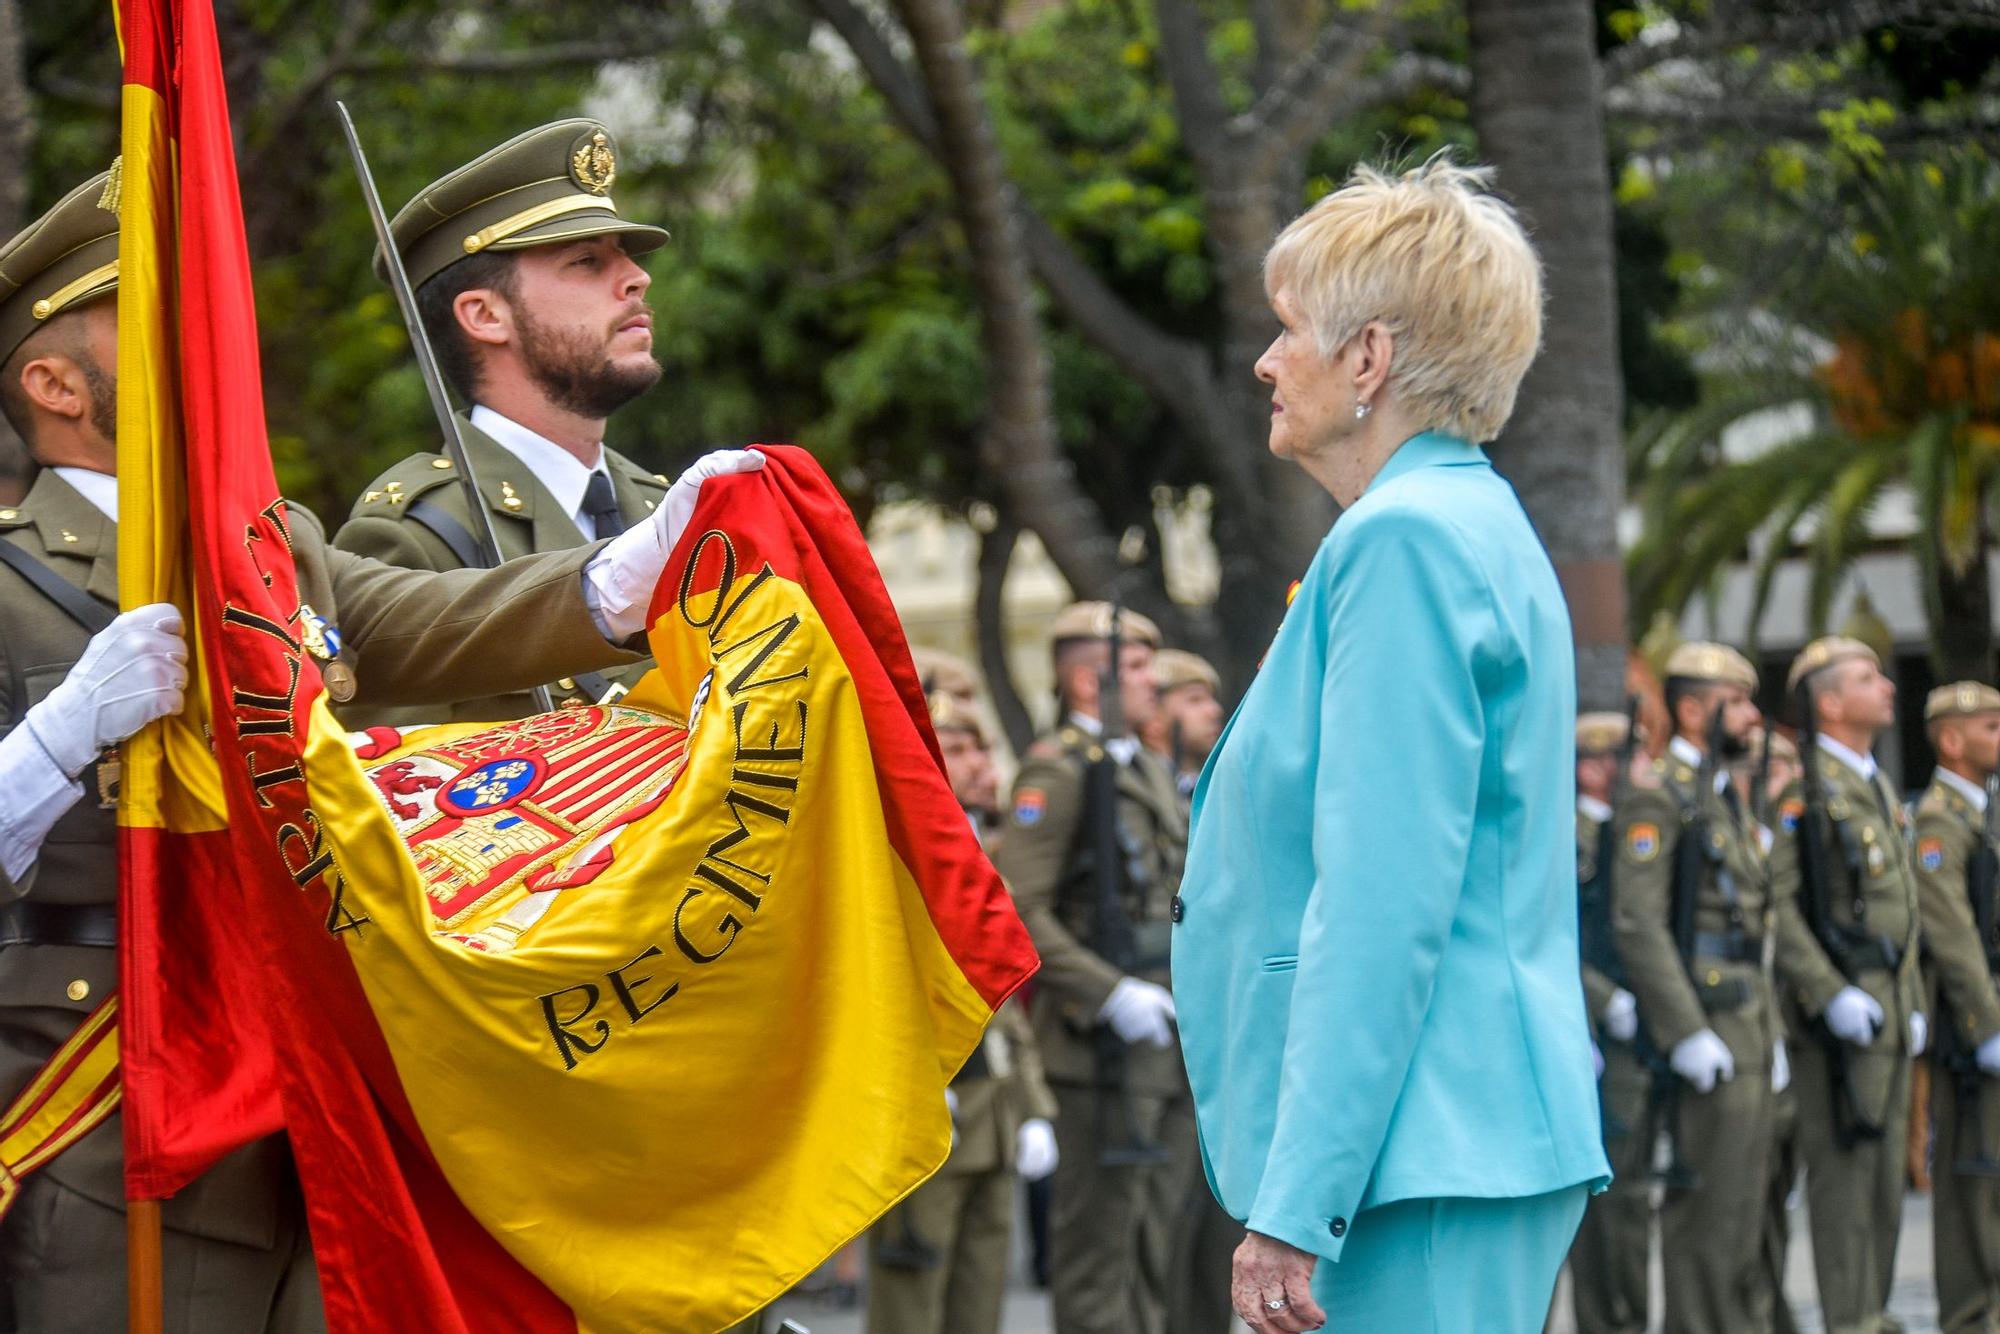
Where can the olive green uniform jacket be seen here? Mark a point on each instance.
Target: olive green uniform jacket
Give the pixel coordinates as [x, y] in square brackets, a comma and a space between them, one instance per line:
[1965, 1227]
[410, 638]
[388, 524]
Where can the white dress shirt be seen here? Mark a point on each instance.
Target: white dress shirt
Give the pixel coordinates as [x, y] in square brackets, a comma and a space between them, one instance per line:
[1862, 764]
[561, 473]
[1965, 787]
[1690, 754]
[1593, 809]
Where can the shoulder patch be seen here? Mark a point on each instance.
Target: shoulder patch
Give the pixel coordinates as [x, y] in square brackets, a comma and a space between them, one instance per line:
[1642, 841]
[1029, 803]
[1930, 853]
[1789, 815]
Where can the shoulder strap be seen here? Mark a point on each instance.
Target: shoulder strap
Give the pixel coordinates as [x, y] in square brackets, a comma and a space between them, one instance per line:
[447, 530]
[82, 608]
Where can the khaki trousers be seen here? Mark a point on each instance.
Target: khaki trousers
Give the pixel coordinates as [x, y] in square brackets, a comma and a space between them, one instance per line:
[1855, 1195]
[1965, 1223]
[1608, 1261]
[965, 1221]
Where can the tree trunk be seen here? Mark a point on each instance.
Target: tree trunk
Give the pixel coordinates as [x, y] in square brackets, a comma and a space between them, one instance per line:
[1537, 107]
[1962, 635]
[1019, 451]
[996, 552]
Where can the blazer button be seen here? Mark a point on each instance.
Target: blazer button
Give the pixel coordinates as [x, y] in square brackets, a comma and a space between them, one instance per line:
[1177, 910]
[1338, 1227]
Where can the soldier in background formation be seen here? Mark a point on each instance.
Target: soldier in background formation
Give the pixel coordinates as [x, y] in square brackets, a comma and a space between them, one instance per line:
[1956, 887]
[937, 1262]
[1847, 953]
[1690, 917]
[1189, 720]
[1608, 1261]
[1093, 853]
[530, 294]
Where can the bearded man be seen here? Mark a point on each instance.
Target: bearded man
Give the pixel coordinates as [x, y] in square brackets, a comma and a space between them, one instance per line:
[529, 290]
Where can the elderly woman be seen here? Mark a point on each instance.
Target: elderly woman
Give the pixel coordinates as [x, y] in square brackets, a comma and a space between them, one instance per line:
[1375, 962]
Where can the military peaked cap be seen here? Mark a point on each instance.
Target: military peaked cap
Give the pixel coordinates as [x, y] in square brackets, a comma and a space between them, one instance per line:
[550, 184]
[1719, 663]
[1174, 668]
[64, 258]
[1092, 620]
[949, 713]
[1961, 699]
[946, 672]
[1600, 733]
[1824, 652]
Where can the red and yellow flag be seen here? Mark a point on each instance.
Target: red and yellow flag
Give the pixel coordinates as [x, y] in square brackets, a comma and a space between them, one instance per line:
[609, 1019]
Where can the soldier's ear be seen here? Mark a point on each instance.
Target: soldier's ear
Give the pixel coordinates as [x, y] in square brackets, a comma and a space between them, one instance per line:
[485, 315]
[55, 384]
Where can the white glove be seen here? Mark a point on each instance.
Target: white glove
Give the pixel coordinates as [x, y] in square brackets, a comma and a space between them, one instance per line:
[1988, 1055]
[1701, 1058]
[1140, 1012]
[1621, 1016]
[1920, 1033]
[1035, 1153]
[619, 580]
[1781, 1068]
[1854, 1016]
[133, 671]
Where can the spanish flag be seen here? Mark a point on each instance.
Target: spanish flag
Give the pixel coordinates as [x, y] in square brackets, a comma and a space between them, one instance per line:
[617, 1018]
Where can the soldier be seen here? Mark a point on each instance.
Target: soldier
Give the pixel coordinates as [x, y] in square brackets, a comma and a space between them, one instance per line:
[937, 1263]
[1956, 889]
[1103, 1017]
[1185, 727]
[530, 295]
[74, 681]
[1608, 1261]
[1847, 962]
[1690, 915]
[948, 673]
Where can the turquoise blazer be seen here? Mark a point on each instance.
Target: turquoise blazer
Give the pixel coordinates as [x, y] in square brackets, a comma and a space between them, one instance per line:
[1375, 950]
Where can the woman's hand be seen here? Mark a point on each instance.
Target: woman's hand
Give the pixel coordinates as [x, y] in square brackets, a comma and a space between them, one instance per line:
[1268, 1270]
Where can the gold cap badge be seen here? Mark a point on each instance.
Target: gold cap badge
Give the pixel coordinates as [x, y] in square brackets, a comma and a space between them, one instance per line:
[593, 164]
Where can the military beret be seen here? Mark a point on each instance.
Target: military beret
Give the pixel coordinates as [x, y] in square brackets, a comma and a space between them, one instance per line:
[64, 258]
[949, 713]
[947, 672]
[1699, 660]
[1599, 733]
[1174, 668]
[1824, 652]
[1092, 620]
[1961, 699]
[550, 184]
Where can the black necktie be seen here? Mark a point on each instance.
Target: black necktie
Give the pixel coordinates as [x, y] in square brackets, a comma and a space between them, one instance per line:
[601, 507]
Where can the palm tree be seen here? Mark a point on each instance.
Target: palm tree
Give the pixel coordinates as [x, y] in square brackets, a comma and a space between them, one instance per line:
[1893, 349]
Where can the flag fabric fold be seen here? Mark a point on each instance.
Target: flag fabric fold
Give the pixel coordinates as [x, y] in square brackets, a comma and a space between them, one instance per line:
[608, 1019]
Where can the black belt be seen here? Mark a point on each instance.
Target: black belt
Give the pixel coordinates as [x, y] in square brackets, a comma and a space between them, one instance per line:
[1728, 946]
[1869, 954]
[92, 924]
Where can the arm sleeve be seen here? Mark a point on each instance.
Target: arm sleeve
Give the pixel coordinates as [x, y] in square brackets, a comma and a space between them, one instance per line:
[1957, 959]
[37, 793]
[1649, 832]
[1597, 992]
[1033, 858]
[1802, 964]
[1411, 629]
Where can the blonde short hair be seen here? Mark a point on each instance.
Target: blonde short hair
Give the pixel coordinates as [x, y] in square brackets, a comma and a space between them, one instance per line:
[1444, 265]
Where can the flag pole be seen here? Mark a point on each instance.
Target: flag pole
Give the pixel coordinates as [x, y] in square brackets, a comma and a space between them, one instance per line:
[142, 1268]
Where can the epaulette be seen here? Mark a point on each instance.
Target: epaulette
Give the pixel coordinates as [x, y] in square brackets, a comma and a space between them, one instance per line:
[1652, 778]
[404, 482]
[13, 516]
[1076, 741]
[1942, 800]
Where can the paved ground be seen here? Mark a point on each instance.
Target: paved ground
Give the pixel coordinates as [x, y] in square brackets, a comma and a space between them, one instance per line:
[1914, 1300]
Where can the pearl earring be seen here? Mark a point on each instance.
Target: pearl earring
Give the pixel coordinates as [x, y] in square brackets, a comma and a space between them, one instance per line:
[1361, 410]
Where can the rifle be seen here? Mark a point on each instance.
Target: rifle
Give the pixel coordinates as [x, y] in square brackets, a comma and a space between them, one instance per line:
[485, 542]
[1815, 833]
[1956, 1056]
[1112, 932]
[1593, 901]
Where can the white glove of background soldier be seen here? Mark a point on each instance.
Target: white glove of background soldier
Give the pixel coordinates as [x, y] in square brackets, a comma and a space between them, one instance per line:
[1035, 1153]
[1621, 1016]
[621, 578]
[1920, 1033]
[133, 671]
[1701, 1058]
[1854, 1016]
[1988, 1055]
[1140, 1012]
